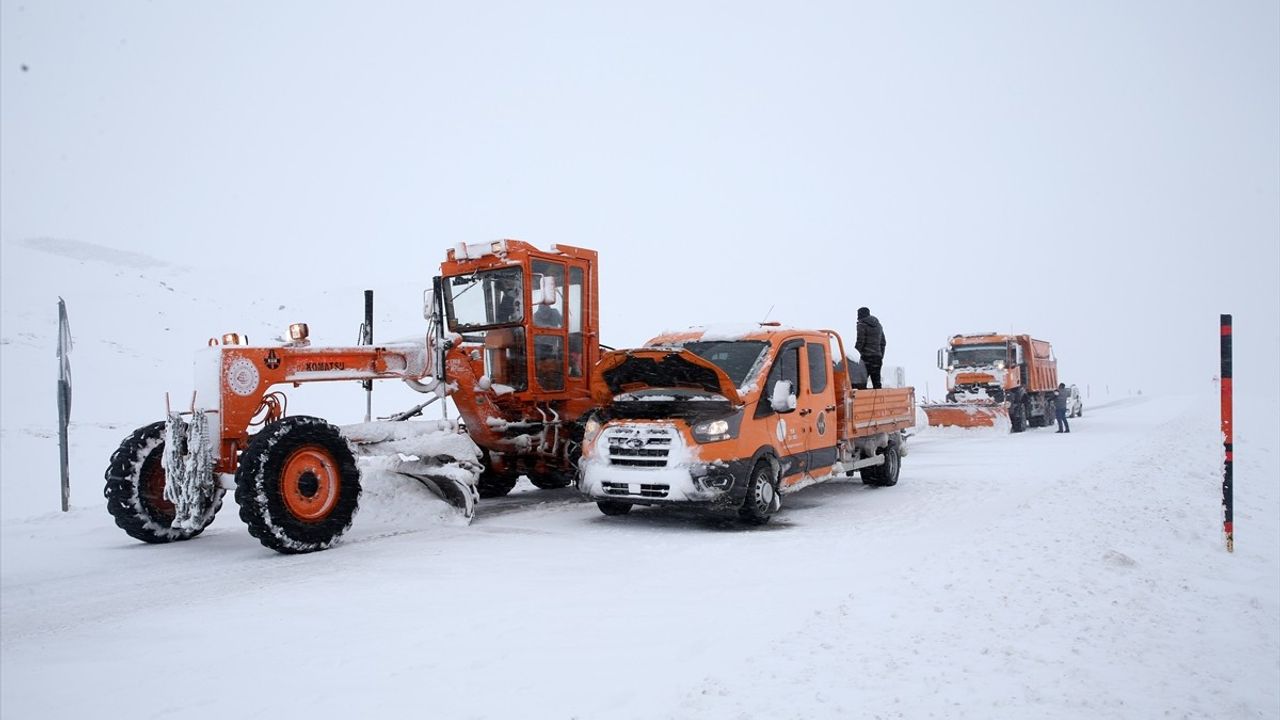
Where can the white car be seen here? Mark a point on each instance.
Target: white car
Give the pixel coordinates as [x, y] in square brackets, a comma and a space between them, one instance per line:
[1075, 407]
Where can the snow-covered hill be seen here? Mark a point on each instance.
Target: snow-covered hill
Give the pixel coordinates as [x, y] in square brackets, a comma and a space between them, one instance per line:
[1038, 575]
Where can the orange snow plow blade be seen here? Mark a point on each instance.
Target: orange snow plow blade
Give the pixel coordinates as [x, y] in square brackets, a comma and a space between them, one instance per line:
[965, 414]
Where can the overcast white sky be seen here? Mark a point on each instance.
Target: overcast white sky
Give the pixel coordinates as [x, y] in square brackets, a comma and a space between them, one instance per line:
[1102, 175]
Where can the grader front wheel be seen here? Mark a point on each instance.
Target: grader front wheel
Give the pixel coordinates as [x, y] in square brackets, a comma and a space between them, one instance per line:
[135, 490]
[298, 485]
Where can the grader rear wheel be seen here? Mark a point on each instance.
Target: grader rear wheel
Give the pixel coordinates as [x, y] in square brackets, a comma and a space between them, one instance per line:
[553, 479]
[135, 490]
[298, 485]
[495, 485]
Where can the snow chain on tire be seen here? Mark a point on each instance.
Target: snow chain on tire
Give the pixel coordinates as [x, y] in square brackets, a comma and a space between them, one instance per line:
[135, 484]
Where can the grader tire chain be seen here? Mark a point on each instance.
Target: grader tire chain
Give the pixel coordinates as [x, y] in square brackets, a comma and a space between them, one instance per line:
[138, 506]
[261, 485]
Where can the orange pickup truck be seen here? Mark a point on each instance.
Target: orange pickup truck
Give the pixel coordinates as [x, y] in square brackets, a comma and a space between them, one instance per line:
[733, 419]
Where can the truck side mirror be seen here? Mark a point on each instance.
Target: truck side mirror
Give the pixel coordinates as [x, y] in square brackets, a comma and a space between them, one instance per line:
[428, 304]
[941, 366]
[782, 399]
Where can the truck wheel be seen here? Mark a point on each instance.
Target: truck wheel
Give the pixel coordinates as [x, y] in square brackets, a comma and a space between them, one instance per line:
[614, 507]
[762, 499]
[885, 474]
[135, 490]
[1017, 419]
[298, 485]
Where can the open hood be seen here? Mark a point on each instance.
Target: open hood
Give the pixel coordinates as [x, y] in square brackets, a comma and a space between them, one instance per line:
[630, 370]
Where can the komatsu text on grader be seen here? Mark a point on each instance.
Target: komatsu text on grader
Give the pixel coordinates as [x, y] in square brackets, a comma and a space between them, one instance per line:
[512, 337]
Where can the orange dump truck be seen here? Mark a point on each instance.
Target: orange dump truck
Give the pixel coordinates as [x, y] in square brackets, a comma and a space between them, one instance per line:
[992, 376]
[733, 419]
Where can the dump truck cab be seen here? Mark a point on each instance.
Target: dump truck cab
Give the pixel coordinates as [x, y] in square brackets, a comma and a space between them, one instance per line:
[983, 366]
[729, 419]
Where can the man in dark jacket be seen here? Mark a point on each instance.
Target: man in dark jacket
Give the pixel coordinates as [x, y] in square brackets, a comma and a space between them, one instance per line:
[1060, 408]
[870, 345]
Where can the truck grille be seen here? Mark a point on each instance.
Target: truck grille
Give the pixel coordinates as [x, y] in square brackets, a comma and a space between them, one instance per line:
[640, 446]
[654, 490]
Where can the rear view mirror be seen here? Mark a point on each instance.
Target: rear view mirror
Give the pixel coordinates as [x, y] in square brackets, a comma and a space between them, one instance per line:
[783, 399]
[546, 292]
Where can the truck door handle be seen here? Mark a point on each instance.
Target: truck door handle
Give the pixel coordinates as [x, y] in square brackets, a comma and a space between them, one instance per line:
[805, 411]
[830, 408]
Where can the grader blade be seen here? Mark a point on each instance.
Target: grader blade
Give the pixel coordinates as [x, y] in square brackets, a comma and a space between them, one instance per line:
[965, 414]
[461, 494]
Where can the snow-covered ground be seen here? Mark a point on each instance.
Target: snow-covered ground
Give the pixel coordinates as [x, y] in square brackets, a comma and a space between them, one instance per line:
[1028, 576]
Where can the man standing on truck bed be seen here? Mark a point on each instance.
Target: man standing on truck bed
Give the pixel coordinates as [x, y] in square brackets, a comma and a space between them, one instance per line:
[870, 345]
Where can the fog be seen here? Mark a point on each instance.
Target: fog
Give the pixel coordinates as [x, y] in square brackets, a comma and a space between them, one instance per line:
[1103, 176]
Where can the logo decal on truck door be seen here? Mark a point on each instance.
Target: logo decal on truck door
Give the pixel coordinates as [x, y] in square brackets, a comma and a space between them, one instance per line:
[822, 423]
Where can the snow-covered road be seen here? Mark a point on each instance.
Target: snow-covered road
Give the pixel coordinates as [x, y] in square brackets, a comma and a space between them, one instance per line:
[1036, 575]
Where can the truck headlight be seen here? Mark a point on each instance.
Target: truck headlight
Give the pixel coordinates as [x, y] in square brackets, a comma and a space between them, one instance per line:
[719, 429]
[591, 429]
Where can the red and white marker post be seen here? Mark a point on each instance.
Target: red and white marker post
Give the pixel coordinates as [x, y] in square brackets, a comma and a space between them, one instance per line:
[1225, 385]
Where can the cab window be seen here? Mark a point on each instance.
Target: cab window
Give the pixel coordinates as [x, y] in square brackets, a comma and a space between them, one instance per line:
[549, 313]
[817, 356]
[786, 366]
[575, 322]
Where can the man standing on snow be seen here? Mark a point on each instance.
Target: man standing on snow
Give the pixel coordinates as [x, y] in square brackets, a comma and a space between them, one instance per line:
[870, 345]
[1060, 408]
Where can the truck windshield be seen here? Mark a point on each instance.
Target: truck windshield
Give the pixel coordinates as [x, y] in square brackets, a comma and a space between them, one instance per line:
[485, 299]
[978, 355]
[736, 358]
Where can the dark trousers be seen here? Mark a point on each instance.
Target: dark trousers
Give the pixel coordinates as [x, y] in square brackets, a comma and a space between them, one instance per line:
[1063, 425]
[873, 371]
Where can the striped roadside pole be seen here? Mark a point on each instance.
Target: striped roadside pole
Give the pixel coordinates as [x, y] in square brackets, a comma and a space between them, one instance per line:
[1225, 386]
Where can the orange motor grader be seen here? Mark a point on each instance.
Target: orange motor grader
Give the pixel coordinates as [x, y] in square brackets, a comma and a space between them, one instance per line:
[512, 335]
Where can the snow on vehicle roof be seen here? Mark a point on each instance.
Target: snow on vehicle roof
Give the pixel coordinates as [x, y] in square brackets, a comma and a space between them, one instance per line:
[721, 332]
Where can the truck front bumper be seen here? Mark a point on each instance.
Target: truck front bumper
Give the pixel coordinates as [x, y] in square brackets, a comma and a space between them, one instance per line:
[712, 486]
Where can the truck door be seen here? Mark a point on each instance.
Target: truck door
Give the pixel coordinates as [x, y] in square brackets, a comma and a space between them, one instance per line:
[787, 426]
[817, 410]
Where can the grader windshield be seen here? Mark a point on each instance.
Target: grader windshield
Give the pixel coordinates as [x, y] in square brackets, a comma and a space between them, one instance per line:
[488, 299]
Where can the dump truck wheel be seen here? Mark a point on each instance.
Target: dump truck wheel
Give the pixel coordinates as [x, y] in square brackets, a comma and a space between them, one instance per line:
[135, 490]
[1017, 419]
[298, 485]
[762, 499]
[885, 474]
[614, 507]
